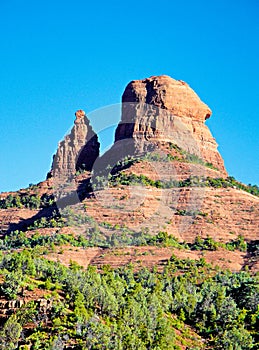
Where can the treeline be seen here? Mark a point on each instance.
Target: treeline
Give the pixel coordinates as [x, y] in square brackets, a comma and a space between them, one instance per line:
[121, 237]
[193, 181]
[128, 309]
[28, 201]
[99, 182]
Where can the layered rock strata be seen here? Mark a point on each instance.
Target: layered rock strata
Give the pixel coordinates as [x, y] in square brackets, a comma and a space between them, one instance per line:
[161, 109]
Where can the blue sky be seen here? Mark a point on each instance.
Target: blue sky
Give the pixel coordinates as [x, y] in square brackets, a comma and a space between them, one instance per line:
[59, 56]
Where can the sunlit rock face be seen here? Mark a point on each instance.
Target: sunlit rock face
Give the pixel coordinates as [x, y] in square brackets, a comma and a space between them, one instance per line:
[78, 150]
[159, 109]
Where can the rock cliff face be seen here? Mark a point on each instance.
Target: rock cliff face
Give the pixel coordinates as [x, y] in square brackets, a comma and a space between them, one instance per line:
[78, 150]
[157, 113]
[160, 109]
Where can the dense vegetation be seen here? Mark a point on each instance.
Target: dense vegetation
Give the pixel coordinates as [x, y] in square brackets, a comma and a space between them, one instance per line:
[125, 309]
[30, 201]
[118, 236]
[188, 303]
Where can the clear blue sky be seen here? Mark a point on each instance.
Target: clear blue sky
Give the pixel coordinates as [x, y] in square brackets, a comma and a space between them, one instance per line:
[59, 56]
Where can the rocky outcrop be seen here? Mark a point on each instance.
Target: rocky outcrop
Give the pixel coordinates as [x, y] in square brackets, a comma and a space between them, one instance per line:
[78, 150]
[7, 307]
[160, 109]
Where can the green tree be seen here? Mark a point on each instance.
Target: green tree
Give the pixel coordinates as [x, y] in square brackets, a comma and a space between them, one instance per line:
[10, 334]
[12, 284]
[234, 339]
[80, 310]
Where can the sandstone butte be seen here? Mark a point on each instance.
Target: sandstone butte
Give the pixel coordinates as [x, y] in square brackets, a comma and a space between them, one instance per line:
[154, 111]
[165, 117]
[163, 109]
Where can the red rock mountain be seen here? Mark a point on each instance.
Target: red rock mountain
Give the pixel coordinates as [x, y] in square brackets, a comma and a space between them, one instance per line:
[161, 109]
[155, 112]
[159, 199]
[166, 117]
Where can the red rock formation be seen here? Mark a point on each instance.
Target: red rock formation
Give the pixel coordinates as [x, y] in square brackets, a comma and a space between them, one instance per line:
[78, 150]
[163, 109]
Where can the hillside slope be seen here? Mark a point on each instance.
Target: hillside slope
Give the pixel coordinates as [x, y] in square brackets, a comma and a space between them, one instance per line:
[149, 246]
